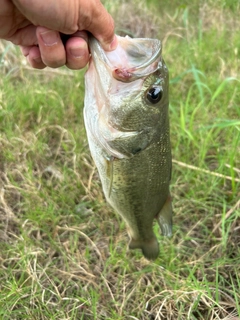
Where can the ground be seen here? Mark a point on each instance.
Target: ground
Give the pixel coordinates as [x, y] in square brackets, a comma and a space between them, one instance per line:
[64, 251]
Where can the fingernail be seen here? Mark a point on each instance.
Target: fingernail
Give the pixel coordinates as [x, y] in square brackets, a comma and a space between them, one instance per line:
[37, 59]
[78, 51]
[113, 44]
[50, 38]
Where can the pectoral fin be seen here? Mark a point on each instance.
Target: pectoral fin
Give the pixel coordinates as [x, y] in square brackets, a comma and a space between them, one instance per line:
[109, 172]
[164, 218]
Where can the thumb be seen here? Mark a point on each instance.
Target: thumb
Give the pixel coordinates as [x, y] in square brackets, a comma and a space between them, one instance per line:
[102, 28]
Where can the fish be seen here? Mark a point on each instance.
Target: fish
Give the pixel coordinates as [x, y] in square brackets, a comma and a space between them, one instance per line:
[127, 124]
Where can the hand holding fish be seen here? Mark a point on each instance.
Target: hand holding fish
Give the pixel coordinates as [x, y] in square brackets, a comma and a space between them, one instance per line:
[37, 27]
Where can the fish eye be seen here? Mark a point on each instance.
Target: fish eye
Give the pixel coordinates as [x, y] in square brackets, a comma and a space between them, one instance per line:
[154, 94]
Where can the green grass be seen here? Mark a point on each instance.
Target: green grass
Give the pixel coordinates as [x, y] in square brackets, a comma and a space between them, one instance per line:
[63, 250]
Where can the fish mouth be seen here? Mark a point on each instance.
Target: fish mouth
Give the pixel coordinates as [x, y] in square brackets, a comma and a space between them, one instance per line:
[130, 60]
[132, 74]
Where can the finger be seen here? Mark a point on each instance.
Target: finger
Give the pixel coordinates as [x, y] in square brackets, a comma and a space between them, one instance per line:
[25, 50]
[33, 56]
[35, 59]
[25, 36]
[77, 51]
[52, 50]
[101, 25]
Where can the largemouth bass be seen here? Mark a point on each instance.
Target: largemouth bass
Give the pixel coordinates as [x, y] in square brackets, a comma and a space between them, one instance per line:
[126, 119]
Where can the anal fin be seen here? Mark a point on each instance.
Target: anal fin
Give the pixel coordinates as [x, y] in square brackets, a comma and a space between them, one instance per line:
[164, 218]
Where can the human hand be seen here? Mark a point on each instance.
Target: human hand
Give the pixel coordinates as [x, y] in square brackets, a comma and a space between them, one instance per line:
[37, 27]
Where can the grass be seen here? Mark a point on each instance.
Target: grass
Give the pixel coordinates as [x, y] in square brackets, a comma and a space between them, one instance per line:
[63, 251]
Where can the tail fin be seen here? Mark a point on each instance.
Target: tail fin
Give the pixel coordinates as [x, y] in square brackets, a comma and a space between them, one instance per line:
[150, 248]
